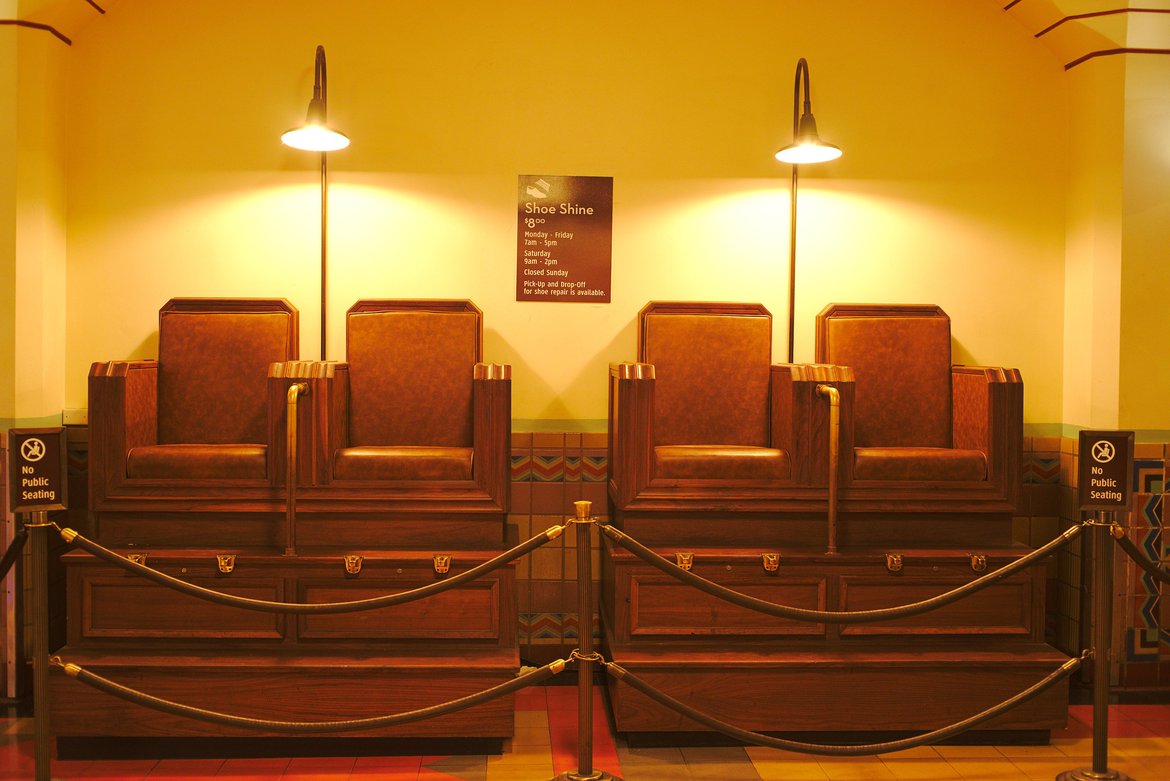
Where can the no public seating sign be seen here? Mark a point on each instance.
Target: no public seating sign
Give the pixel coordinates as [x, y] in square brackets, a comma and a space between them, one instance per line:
[36, 470]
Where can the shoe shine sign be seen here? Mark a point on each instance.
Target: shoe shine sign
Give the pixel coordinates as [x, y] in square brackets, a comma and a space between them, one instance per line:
[564, 238]
[36, 470]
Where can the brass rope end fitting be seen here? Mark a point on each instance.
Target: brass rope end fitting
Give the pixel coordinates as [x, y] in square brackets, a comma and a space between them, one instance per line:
[298, 389]
[553, 532]
[558, 666]
[69, 535]
[1117, 531]
[72, 670]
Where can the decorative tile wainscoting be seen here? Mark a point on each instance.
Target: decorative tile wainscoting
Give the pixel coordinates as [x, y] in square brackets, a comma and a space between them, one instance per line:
[551, 471]
[1141, 608]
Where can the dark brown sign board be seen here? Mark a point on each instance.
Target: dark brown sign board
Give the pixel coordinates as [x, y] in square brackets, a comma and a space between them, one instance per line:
[564, 238]
[36, 470]
[1105, 470]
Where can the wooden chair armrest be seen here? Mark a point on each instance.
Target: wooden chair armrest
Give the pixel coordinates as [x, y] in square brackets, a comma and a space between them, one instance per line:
[492, 429]
[979, 396]
[123, 413]
[123, 397]
[800, 417]
[631, 429]
[315, 375]
[988, 415]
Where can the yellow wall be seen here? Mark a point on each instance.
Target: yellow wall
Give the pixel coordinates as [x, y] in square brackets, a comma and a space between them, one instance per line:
[1094, 261]
[951, 190]
[8, 137]
[32, 228]
[1145, 287]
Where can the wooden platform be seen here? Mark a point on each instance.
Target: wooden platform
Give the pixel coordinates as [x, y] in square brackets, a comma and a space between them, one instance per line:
[289, 668]
[772, 674]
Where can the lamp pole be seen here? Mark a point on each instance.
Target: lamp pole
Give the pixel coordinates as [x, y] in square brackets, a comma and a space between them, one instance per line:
[324, 246]
[316, 136]
[806, 147]
[792, 257]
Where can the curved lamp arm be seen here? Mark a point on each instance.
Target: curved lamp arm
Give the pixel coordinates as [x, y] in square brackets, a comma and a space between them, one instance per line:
[315, 135]
[806, 146]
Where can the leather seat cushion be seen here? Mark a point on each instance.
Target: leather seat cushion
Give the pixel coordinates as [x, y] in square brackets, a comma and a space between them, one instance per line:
[721, 462]
[919, 463]
[378, 462]
[227, 462]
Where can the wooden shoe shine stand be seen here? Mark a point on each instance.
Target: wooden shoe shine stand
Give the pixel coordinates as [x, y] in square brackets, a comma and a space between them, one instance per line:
[404, 515]
[720, 462]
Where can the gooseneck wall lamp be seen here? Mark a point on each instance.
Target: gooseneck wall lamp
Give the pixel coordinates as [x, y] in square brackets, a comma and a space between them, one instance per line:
[316, 136]
[806, 147]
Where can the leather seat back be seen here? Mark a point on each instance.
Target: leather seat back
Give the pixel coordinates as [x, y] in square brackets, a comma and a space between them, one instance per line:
[213, 359]
[712, 369]
[901, 357]
[410, 372]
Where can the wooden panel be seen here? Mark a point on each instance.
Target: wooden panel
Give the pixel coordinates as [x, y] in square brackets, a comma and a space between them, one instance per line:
[466, 613]
[287, 688]
[1003, 608]
[664, 607]
[124, 607]
[863, 696]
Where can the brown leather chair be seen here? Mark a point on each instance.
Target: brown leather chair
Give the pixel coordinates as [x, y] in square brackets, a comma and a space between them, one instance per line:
[704, 426]
[920, 434]
[193, 430]
[416, 431]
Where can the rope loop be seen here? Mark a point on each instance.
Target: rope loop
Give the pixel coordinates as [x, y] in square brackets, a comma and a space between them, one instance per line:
[576, 655]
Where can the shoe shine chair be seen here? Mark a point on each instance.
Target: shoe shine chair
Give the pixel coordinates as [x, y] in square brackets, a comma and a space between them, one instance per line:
[710, 442]
[413, 446]
[193, 431]
[719, 463]
[933, 448]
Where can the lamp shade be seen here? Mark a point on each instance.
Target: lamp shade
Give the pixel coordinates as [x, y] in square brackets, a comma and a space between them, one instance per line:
[315, 138]
[807, 146]
[316, 135]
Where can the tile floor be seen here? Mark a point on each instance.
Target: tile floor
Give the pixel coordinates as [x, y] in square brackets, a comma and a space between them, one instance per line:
[545, 745]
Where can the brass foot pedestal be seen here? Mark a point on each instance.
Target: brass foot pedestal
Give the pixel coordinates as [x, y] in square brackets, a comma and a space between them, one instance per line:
[1088, 774]
[596, 775]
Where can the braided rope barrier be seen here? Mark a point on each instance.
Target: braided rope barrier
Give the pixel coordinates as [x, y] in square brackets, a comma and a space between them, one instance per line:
[1158, 572]
[747, 736]
[316, 608]
[136, 697]
[834, 616]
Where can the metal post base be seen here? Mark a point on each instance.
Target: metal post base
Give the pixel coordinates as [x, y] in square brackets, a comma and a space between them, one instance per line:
[596, 775]
[1088, 774]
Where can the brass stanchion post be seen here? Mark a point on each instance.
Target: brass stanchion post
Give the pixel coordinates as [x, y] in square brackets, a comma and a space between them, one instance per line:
[585, 655]
[1102, 636]
[39, 524]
